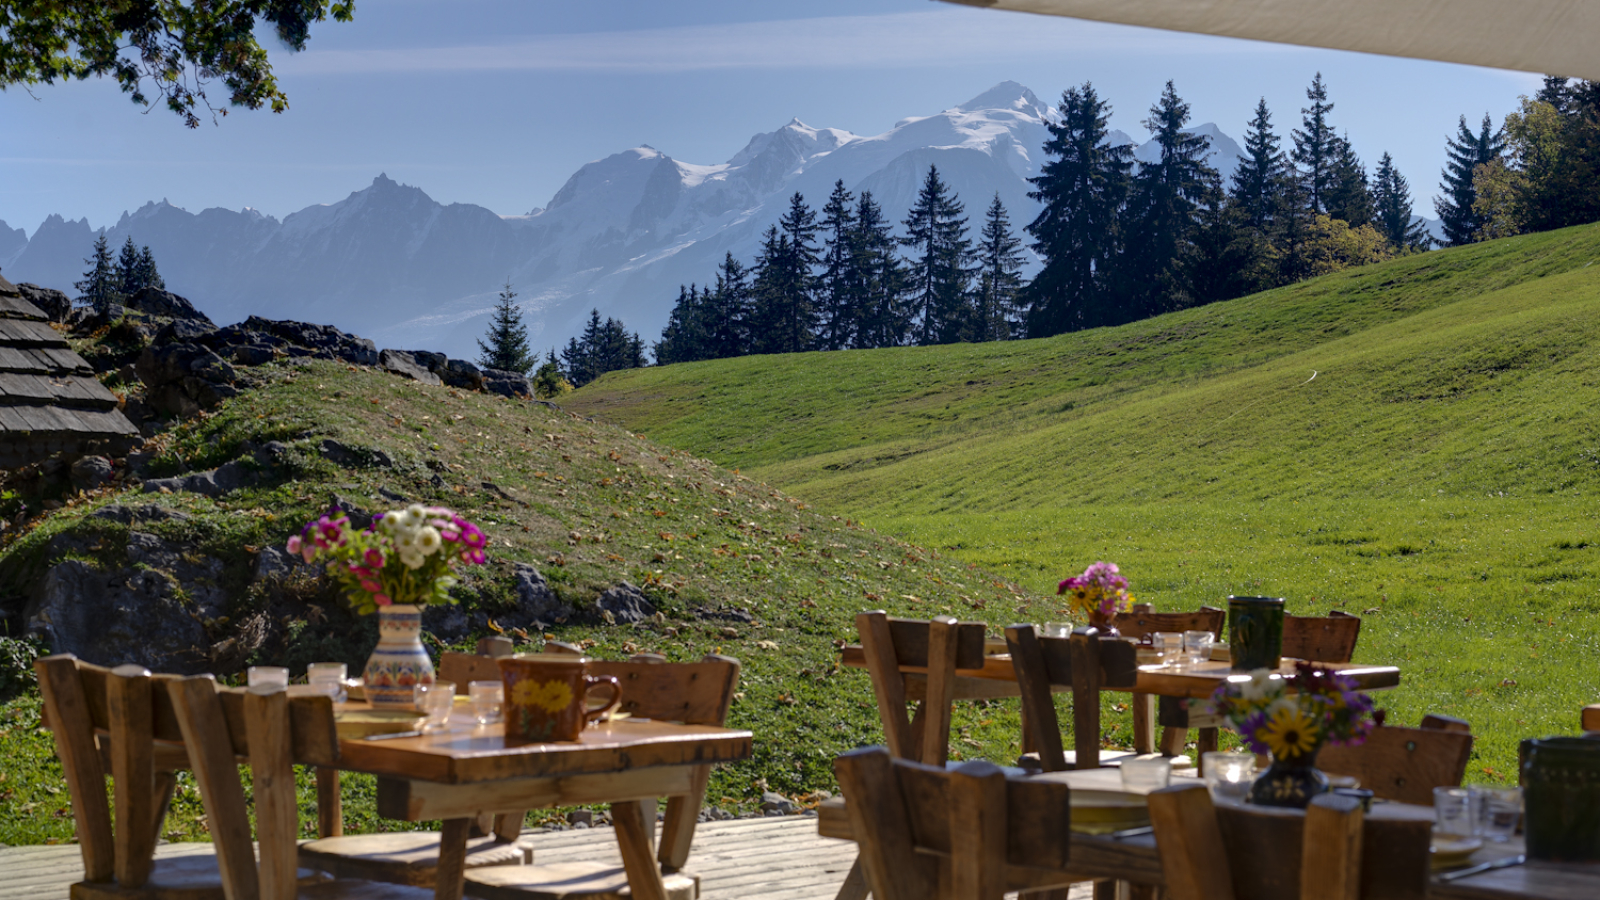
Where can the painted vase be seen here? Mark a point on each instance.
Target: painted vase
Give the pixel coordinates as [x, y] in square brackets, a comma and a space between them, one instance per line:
[1255, 632]
[1290, 782]
[1103, 623]
[399, 663]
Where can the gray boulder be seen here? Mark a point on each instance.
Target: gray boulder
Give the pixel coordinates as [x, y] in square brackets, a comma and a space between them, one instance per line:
[223, 479]
[125, 616]
[158, 302]
[277, 564]
[537, 604]
[354, 457]
[201, 576]
[320, 341]
[507, 384]
[626, 603]
[184, 331]
[150, 512]
[182, 379]
[406, 365]
[54, 304]
[90, 472]
[458, 373]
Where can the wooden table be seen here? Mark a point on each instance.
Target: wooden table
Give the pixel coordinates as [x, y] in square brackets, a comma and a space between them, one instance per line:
[1530, 881]
[454, 775]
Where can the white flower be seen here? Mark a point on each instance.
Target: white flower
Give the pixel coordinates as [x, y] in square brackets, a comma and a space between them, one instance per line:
[405, 539]
[411, 559]
[428, 540]
[414, 515]
[1258, 687]
[1282, 705]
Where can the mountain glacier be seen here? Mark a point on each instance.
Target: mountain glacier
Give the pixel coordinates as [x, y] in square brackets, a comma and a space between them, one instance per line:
[389, 263]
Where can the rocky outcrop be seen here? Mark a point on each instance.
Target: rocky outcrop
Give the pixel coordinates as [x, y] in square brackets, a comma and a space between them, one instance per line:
[507, 384]
[405, 364]
[625, 603]
[54, 304]
[158, 302]
[302, 340]
[223, 479]
[182, 379]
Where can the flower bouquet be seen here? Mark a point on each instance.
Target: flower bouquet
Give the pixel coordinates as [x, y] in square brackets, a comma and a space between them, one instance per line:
[1291, 718]
[404, 560]
[1098, 594]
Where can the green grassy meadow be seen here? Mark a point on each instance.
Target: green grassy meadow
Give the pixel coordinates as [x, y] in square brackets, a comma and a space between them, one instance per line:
[1415, 442]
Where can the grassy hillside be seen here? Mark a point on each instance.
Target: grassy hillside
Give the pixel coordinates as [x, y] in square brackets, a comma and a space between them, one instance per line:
[1413, 441]
[734, 566]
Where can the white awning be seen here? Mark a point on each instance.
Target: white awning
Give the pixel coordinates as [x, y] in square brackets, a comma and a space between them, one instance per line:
[1556, 37]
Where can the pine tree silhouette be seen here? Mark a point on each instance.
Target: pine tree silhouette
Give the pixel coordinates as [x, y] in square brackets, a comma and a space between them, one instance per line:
[506, 347]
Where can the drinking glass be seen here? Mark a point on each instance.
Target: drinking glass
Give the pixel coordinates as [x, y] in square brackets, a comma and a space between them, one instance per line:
[1170, 644]
[327, 678]
[1142, 775]
[1228, 774]
[1197, 646]
[270, 676]
[486, 699]
[1056, 629]
[436, 700]
[1498, 810]
[1452, 811]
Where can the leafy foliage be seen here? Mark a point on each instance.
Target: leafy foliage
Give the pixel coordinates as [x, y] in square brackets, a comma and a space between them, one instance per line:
[16, 665]
[174, 48]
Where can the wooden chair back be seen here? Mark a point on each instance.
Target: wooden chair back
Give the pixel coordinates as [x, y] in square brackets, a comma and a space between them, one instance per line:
[697, 693]
[938, 646]
[1138, 624]
[216, 723]
[1404, 764]
[1329, 639]
[1331, 850]
[969, 833]
[83, 702]
[1083, 661]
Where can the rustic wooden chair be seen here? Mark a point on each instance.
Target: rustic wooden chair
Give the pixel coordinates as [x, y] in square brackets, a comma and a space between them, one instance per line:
[1082, 661]
[1405, 764]
[1174, 717]
[263, 723]
[1331, 850]
[969, 833]
[412, 857]
[938, 646]
[1590, 719]
[697, 693]
[1328, 639]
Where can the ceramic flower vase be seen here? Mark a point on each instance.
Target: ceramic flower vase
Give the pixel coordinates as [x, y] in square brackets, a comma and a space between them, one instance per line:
[1290, 782]
[399, 663]
[1102, 622]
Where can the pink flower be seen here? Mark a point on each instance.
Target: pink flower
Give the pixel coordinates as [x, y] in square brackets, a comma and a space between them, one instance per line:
[294, 544]
[371, 586]
[381, 599]
[374, 558]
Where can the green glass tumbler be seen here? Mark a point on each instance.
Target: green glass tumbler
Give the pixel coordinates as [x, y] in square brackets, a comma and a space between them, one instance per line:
[1561, 796]
[1255, 632]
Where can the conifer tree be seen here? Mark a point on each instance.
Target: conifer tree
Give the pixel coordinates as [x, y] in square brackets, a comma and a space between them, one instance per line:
[726, 330]
[785, 315]
[1219, 262]
[939, 270]
[1316, 148]
[506, 347]
[99, 287]
[1349, 197]
[1258, 179]
[1292, 232]
[1391, 197]
[604, 347]
[549, 381]
[1555, 92]
[683, 339]
[1082, 187]
[1465, 152]
[145, 273]
[999, 277]
[1163, 202]
[882, 316]
[837, 290]
[128, 269]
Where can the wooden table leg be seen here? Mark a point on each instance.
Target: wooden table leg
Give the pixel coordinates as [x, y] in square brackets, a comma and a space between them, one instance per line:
[1205, 742]
[452, 868]
[1144, 723]
[1173, 740]
[638, 856]
[1105, 890]
[855, 884]
[683, 813]
[330, 807]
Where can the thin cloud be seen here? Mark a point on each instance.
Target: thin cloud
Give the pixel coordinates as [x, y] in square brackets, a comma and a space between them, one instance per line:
[901, 39]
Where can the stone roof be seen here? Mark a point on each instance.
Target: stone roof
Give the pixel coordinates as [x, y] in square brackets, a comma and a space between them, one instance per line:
[50, 401]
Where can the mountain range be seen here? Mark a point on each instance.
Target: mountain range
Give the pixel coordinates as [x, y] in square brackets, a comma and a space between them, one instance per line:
[390, 263]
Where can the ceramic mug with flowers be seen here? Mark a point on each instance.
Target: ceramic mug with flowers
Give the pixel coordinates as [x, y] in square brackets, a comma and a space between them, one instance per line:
[546, 698]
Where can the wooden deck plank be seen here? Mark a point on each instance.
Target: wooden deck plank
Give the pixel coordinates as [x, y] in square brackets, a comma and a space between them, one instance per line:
[743, 859]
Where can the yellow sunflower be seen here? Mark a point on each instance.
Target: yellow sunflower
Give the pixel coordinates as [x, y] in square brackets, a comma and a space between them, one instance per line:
[550, 696]
[1288, 733]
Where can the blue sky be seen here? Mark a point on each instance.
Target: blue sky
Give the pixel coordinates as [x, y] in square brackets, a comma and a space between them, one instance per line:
[497, 102]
